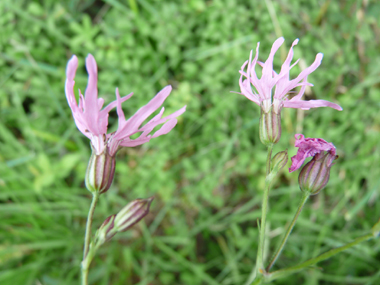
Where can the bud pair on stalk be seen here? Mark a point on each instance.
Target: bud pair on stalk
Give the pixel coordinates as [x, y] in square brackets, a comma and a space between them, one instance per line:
[124, 220]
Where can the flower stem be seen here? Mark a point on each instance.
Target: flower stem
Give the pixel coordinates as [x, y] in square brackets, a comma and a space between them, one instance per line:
[269, 158]
[304, 198]
[264, 209]
[87, 238]
[87, 261]
[85, 276]
[286, 271]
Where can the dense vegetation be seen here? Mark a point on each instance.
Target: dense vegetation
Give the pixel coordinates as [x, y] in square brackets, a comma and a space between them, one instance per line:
[207, 174]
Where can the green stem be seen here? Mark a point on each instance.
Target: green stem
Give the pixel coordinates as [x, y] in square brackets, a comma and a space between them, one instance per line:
[257, 281]
[269, 158]
[264, 210]
[87, 238]
[87, 261]
[284, 272]
[84, 276]
[304, 198]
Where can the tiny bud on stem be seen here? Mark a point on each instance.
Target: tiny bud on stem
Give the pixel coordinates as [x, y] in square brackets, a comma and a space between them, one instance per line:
[279, 161]
[131, 214]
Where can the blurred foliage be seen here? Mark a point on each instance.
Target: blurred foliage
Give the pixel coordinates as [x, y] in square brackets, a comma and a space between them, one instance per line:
[207, 174]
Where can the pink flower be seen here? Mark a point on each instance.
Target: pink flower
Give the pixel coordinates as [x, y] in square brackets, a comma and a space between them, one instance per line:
[92, 120]
[310, 147]
[262, 95]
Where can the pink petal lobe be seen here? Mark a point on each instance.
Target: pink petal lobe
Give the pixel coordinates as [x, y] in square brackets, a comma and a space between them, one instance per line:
[246, 90]
[306, 105]
[166, 128]
[91, 110]
[157, 120]
[113, 104]
[71, 69]
[133, 123]
[308, 147]
[304, 73]
[136, 142]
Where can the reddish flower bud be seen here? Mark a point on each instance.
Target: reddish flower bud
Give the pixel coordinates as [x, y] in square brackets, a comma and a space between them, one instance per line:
[105, 232]
[279, 161]
[131, 214]
[100, 171]
[316, 173]
[270, 126]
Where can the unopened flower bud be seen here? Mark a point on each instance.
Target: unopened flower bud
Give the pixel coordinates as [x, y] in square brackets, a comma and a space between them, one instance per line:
[270, 126]
[316, 173]
[131, 214]
[100, 172]
[279, 161]
[105, 232]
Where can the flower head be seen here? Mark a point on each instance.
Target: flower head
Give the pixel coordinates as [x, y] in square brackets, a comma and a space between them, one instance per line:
[308, 147]
[262, 92]
[92, 120]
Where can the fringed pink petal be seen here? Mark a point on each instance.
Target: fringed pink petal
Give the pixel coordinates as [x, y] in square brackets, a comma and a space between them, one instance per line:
[136, 142]
[308, 147]
[283, 84]
[306, 105]
[71, 69]
[246, 90]
[317, 62]
[140, 116]
[91, 110]
[158, 120]
[113, 104]
[266, 80]
[268, 65]
[166, 128]
[252, 78]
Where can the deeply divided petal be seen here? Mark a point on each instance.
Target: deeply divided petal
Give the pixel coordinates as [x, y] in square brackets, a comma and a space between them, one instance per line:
[91, 110]
[132, 124]
[306, 105]
[71, 69]
[308, 147]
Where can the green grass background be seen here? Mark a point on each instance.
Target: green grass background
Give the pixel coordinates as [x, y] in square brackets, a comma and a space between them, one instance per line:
[207, 175]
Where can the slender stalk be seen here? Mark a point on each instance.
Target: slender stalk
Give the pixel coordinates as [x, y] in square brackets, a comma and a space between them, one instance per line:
[87, 238]
[269, 158]
[264, 210]
[286, 271]
[85, 276]
[87, 261]
[304, 198]
[257, 281]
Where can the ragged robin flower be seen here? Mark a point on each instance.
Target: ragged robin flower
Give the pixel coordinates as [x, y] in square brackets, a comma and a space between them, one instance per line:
[261, 92]
[92, 121]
